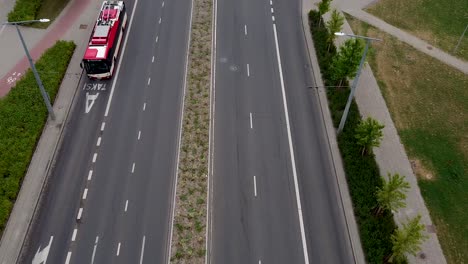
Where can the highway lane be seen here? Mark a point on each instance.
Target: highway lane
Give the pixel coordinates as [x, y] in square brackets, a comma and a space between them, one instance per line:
[253, 219]
[121, 174]
[254, 228]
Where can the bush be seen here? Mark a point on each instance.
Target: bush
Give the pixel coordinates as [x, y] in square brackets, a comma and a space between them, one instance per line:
[362, 172]
[22, 118]
[24, 10]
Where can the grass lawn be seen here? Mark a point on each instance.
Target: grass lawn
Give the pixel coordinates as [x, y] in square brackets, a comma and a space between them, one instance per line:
[50, 9]
[428, 101]
[440, 23]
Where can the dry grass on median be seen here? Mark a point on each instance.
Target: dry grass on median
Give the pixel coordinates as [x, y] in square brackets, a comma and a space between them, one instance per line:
[188, 245]
[428, 101]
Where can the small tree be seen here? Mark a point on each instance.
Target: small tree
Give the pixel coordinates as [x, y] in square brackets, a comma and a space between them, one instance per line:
[392, 194]
[346, 61]
[323, 7]
[407, 240]
[334, 25]
[369, 134]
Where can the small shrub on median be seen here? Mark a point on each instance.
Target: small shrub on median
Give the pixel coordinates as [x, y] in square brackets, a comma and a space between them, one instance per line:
[22, 118]
[362, 172]
[24, 10]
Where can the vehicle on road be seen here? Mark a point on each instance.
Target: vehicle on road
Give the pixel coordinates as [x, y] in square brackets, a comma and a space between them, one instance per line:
[100, 58]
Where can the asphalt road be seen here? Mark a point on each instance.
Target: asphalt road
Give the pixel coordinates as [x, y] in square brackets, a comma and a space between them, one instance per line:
[257, 219]
[118, 170]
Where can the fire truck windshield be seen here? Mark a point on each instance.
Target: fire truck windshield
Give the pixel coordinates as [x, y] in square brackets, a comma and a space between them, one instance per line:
[96, 66]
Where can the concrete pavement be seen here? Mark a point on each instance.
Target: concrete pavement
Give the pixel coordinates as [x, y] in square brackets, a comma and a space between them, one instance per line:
[391, 156]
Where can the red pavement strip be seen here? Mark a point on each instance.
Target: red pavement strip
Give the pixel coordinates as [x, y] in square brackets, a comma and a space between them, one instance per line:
[60, 27]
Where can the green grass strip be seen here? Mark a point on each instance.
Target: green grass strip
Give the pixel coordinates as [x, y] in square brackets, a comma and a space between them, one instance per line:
[22, 117]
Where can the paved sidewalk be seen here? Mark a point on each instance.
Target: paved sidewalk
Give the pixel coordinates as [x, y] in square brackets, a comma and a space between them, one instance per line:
[14, 62]
[391, 157]
[43, 159]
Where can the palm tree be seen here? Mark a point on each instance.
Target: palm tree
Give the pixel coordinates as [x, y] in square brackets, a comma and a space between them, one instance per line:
[391, 196]
[407, 240]
[369, 134]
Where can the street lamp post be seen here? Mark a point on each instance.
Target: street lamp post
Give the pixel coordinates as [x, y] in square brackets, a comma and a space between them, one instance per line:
[44, 94]
[356, 78]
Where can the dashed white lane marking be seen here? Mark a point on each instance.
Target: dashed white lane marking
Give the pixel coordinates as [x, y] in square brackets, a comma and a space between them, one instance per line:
[74, 234]
[273, 18]
[152, 60]
[126, 205]
[85, 193]
[291, 150]
[251, 122]
[142, 249]
[133, 167]
[259, 262]
[98, 143]
[139, 134]
[272, 10]
[94, 249]
[255, 186]
[248, 69]
[271, 2]
[162, 4]
[67, 260]
[103, 125]
[118, 249]
[245, 30]
[90, 175]
[80, 212]
[144, 106]
[160, 20]
[149, 81]
[157, 38]
[94, 157]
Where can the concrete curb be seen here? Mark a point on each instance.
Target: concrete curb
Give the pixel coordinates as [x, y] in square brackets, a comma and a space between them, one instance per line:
[42, 161]
[335, 156]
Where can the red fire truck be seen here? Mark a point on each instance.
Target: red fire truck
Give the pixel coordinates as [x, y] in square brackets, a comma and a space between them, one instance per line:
[100, 58]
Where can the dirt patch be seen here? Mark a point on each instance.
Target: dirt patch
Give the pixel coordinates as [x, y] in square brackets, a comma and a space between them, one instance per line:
[421, 171]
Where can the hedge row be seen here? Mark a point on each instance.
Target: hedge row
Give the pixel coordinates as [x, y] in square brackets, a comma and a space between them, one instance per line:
[24, 10]
[22, 118]
[361, 171]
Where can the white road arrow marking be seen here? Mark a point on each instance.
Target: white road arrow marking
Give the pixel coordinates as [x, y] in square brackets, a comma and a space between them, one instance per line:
[90, 98]
[41, 255]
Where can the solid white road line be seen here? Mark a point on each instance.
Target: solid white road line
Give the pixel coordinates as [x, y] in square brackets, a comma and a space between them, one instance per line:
[109, 101]
[85, 193]
[255, 186]
[126, 205]
[139, 134]
[98, 143]
[144, 106]
[74, 234]
[142, 250]
[251, 122]
[291, 150]
[103, 125]
[94, 157]
[94, 249]
[80, 212]
[174, 187]
[149, 81]
[90, 175]
[245, 30]
[133, 167]
[248, 69]
[152, 60]
[118, 250]
[159, 20]
[67, 260]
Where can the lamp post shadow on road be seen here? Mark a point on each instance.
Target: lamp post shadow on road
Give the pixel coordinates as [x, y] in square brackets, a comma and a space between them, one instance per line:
[356, 78]
[44, 94]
